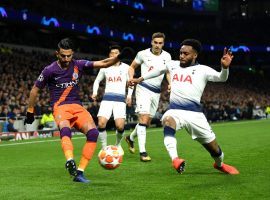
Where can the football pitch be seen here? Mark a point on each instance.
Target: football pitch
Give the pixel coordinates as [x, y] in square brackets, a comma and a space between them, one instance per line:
[34, 169]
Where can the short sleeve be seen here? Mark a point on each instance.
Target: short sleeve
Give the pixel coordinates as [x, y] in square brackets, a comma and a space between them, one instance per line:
[85, 64]
[43, 78]
[138, 59]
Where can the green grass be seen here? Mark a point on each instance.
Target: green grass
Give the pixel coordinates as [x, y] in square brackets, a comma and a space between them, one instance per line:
[36, 170]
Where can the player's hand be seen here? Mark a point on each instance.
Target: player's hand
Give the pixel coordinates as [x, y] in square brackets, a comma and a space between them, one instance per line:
[94, 97]
[129, 101]
[226, 58]
[135, 81]
[126, 53]
[30, 118]
[169, 88]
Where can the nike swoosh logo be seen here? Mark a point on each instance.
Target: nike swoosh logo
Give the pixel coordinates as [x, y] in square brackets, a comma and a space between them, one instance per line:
[56, 78]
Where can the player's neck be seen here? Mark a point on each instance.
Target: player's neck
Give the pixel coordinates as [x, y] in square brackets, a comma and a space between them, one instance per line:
[62, 67]
[156, 53]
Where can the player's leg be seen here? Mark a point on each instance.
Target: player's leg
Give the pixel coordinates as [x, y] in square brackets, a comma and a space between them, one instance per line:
[133, 134]
[218, 156]
[62, 117]
[119, 113]
[104, 114]
[102, 122]
[201, 131]
[120, 131]
[143, 104]
[170, 142]
[86, 124]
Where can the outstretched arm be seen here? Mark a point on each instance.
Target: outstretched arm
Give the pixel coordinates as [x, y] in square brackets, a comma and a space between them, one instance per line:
[99, 78]
[106, 62]
[113, 60]
[226, 58]
[151, 74]
[225, 62]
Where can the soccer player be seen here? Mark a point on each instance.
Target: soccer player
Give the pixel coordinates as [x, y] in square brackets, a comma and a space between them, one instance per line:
[188, 80]
[147, 92]
[62, 78]
[114, 100]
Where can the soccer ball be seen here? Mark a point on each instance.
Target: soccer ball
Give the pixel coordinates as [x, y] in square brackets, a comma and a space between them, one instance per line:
[110, 157]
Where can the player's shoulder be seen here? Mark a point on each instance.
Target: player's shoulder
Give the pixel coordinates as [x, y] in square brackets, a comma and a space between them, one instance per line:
[144, 52]
[166, 55]
[124, 65]
[51, 67]
[81, 62]
[172, 64]
[202, 67]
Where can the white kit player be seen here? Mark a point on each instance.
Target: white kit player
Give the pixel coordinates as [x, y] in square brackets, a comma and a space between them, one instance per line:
[147, 92]
[188, 80]
[114, 99]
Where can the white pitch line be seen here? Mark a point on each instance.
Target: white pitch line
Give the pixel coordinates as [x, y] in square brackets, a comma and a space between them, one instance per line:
[54, 140]
[157, 129]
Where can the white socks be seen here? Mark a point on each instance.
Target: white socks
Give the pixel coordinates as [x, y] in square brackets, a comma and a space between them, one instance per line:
[141, 132]
[119, 137]
[103, 138]
[171, 146]
[134, 133]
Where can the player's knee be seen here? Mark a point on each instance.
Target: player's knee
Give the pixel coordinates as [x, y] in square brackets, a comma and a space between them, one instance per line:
[167, 121]
[101, 129]
[65, 132]
[102, 124]
[92, 135]
[120, 130]
[168, 131]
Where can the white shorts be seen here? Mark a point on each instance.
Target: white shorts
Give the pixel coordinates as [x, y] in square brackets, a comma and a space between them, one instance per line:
[194, 122]
[107, 108]
[146, 101]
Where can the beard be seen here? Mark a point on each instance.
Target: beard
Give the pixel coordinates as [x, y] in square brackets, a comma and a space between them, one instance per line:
[186, 64]
[64, 63]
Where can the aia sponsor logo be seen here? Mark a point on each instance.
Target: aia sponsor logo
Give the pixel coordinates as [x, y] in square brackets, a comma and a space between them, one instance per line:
[114, 79]
[182, 78]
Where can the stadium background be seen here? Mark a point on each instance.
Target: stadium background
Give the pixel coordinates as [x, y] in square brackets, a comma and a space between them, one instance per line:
[33, 169]
[30, 31]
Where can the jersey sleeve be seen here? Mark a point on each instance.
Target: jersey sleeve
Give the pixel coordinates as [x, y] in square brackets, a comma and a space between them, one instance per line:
[215, 76]
[85, 64]
[43, 78]
[99, 78]
[138, 59]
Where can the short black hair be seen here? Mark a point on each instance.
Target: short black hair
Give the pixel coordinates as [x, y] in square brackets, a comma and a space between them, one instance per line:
[66, 43]
[196, 44]
[115, 46]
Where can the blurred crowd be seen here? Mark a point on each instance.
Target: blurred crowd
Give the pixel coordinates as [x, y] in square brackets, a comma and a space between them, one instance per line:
[238, 98]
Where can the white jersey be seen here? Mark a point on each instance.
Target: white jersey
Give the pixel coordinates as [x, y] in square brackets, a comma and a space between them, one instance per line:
[116, 80]
[150, 61]
[187, 84]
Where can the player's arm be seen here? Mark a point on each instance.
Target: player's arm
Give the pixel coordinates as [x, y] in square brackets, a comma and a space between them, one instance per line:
[129, 96]
[99, 78]
[113, 60]
[31, 105]
[168, 77]
[151, 74]
[106, 62]
[225, 62]
[131, 69]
